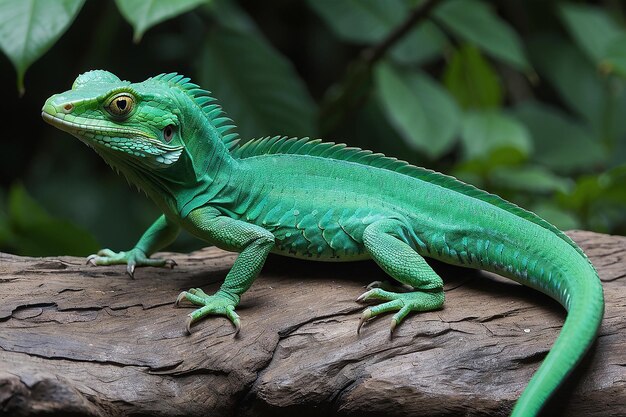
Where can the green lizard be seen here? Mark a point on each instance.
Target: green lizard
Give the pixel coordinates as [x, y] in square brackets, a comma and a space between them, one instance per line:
[320, 201]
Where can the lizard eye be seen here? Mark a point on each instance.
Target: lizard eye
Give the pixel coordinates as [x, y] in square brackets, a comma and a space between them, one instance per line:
[168, 132]
[121, 105]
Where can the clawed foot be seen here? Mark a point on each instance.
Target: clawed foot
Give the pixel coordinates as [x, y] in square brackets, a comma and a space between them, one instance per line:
[132, 258]
[217, 304]
[403, 303]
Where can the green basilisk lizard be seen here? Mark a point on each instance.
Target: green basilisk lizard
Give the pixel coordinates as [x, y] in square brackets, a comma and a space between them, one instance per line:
[320, 201]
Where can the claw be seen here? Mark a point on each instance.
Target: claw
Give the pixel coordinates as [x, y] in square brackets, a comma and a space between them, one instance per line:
[130, 270]
[375, 284]
[394, 323]
[367, 314]
[188, 324]
[170, 263]
[364, 296]
[180, 298]
[234, 318]
[91, 260]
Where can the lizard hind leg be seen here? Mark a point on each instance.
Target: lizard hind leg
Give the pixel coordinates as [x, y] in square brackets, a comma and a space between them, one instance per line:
[384, 242]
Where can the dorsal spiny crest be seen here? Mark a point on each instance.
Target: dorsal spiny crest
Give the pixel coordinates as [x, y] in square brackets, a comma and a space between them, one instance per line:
[206, 102]
[315, 147]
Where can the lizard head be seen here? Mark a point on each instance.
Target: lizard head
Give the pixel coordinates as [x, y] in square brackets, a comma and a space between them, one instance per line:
[165, 134]
[128, 124]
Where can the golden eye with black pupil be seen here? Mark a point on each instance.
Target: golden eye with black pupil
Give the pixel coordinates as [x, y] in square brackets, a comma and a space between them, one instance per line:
[121, 105]
[168, 132]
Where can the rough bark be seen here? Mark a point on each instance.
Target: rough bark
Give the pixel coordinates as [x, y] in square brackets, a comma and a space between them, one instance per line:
[78, 340]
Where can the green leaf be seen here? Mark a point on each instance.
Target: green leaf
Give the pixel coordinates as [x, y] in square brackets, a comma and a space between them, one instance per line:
[36, 233]
[618, 153]
[560, 142]
[573, 77]
[484, 132]
[562, 219]
[230, 15]
[591, 27]
[529, 179]
[256, 85]
[369, 21]
[423, 112]
[420, 45]
[28, 28]
[360, 21]
[143, 14]
[368, 128]
[615, 56]
[476, 22]
[598, 100]
[472, 80]
[600, 200]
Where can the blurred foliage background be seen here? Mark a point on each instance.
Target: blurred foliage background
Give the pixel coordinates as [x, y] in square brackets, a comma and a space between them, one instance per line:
[526, 99]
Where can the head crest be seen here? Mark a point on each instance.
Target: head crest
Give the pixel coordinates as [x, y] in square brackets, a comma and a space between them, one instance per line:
[95, 76]
[203, 98]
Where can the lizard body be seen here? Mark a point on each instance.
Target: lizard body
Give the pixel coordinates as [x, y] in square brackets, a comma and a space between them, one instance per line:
[320, 201]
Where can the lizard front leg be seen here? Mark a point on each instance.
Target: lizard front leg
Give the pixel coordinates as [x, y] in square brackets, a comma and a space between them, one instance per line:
[160, 234]
[382, 240]
[254, 244]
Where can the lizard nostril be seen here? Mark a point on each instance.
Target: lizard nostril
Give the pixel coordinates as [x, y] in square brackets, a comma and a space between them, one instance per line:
[68, 107]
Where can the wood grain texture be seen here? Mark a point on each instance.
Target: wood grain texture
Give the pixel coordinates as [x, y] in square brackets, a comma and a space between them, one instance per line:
[79, 340]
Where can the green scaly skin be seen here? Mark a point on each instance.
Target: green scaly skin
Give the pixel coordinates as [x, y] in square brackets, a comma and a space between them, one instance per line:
[319, 201]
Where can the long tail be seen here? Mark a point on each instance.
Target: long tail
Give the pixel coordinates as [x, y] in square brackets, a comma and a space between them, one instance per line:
[581, 294]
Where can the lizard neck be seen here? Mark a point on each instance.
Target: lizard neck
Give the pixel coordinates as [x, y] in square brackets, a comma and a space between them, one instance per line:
[213, 170]
[202, 171]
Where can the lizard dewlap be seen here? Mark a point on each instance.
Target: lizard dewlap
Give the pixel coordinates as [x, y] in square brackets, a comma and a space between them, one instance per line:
[320, 201]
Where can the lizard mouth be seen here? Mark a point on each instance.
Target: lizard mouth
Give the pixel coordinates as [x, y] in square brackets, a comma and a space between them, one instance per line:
[85, 130]
[129, 143]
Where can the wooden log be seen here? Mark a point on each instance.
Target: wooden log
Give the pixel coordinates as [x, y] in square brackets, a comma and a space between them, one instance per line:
[79, 340]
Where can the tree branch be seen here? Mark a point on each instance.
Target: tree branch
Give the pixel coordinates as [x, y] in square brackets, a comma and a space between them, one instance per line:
[373, 54]
[352, 91]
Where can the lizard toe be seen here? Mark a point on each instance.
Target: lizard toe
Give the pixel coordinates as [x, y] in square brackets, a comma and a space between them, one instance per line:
[216, 304]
